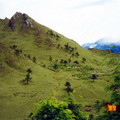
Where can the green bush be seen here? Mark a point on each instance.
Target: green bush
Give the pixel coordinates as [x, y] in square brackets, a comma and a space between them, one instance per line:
[55, 110]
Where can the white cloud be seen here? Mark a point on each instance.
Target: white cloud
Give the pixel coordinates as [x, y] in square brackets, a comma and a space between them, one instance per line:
[81, 20]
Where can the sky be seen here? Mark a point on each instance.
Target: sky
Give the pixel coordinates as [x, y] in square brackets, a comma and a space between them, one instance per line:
[84, 21]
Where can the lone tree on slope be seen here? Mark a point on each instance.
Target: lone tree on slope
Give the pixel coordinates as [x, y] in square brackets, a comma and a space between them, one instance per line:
[68, 89]
[94, 76]
[28, 78]
[34, 59]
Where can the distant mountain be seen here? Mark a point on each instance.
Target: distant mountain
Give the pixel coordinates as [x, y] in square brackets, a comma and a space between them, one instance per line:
[104, 44]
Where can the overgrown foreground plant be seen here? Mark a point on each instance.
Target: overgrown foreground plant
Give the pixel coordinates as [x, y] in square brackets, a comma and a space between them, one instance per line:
[52, 109]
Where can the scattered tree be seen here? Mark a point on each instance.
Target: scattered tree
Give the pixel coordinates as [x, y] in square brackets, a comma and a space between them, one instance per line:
[73, 54]
[94, 76]
[58, 46]
[17, 52]
[62, 61]
[50, 58]
[57, 37]
[76, 62]
[13, 47]
[68, 89]
[66, 46]
[65, 62]
[77, 54]
[29, 56]
[50, 33]
[83, 59]
[28, 78]
[55, 66]
[34, 59]
[71, 49]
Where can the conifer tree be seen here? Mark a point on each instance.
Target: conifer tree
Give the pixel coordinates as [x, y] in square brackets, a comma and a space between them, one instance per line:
[68, 89]
[34, 59]
[28, 78]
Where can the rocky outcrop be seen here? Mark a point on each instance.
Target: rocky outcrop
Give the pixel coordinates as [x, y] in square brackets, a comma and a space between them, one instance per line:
[19, 18]
[27, 21]
[16, 15]
[13, 20]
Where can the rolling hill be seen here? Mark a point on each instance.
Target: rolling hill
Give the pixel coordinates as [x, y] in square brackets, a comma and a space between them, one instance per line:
[54, 60]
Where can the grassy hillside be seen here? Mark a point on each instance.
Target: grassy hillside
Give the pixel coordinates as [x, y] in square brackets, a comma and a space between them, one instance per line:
[25, 45]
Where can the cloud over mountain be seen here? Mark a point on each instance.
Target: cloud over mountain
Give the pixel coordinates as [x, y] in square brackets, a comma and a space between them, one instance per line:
[104, 44]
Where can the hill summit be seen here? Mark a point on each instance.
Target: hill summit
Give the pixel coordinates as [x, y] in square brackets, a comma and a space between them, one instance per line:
[19, 18]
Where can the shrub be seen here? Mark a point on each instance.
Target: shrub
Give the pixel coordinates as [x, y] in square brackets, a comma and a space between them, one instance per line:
[56, 110]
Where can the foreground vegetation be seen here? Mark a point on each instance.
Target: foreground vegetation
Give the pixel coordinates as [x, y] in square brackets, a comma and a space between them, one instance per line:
[54, 110]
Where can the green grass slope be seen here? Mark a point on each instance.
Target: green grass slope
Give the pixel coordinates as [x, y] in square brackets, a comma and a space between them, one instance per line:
[21, 43]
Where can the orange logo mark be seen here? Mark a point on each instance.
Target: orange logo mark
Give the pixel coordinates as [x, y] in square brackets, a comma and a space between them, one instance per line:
[111, 107]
